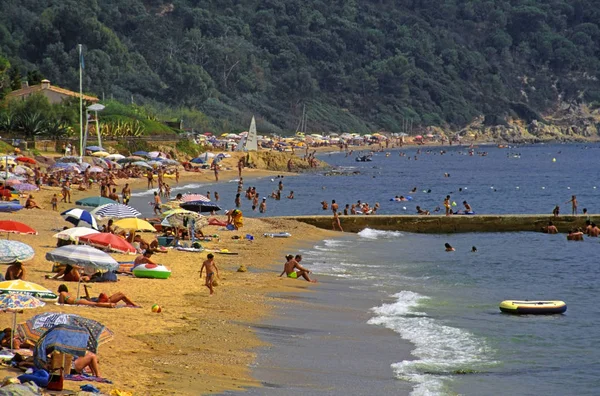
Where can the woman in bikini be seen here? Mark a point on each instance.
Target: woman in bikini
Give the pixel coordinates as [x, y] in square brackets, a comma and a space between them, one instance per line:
[103, 301]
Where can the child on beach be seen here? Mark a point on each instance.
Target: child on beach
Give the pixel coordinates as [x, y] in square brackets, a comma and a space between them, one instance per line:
[211, 268]
[54, 202]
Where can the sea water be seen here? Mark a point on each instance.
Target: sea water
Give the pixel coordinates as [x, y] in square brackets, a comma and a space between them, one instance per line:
[517, 180]
[446, 305]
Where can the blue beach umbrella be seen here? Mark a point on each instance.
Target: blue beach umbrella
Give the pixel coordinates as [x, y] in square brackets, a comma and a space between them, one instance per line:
[198, 160]
[68, 339]
[80, 218]
[93, 149]
[141, 153]
[25, 187]
[11, 251]
[94, 201]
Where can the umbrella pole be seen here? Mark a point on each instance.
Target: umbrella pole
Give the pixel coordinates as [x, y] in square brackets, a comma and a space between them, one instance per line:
[78, 286]
[12, 335]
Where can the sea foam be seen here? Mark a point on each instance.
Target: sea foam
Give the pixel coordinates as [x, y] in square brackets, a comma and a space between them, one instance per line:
[441, 350]
[369, 233]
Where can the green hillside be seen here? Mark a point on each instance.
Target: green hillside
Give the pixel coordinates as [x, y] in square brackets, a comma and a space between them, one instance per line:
[356, 65]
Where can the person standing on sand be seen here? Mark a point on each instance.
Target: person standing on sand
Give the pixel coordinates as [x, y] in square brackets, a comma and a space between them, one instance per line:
[215, 167]
[211, 269]
[294, 270]
[240, 166]
[176, 175]
[126, 194]
[573, 202]
[150, 178]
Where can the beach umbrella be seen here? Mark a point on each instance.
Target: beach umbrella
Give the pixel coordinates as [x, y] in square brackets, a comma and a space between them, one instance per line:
[6, 174]
[114, 157]
[90, 258]
[155, 164]
[80, 218]
[22, 170]
[73, 234]
[14, 302]
[141, 153]
[116, 210]
[106, 240]
[156, 154]
[13, 180]
[68, 159]
[44, 160]
[22, 287]
[25, 187]
[7, 161]
[141, 164]
[35, 327]
[194, 197]
[11, 251]
[418, 137]
[94, 148]
[198, 160]
[26, 160]
[183, 218]
[10, 206]
[167, 161]
[170, 205]
[200, 206]
[70, 340]
[95, 169]
[94, 201]
[100, 154]
[135, 224]
[15, 227]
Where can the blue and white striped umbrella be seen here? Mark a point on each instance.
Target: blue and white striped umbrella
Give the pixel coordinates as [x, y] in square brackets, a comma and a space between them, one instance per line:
[80, 218]
[11, 251]
[117, 211]
[90, 258]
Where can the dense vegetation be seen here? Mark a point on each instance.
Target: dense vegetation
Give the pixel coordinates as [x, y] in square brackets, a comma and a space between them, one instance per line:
[357, 65]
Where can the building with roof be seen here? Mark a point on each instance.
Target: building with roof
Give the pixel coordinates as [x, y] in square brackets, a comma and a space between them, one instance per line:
[53, 93]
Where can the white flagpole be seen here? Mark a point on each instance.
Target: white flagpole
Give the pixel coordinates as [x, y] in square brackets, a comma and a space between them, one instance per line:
[80, 108]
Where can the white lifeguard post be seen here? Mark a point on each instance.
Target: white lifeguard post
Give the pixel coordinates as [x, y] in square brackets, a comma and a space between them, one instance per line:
[96, 107]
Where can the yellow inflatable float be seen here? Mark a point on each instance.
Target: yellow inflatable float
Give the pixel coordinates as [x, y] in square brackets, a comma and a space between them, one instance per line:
[517, 307]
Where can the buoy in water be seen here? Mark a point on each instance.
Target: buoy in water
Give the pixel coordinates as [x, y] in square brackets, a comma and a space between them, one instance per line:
[553, 159]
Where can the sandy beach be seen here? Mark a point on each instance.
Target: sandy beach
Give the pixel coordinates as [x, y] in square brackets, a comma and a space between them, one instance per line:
[197, 344]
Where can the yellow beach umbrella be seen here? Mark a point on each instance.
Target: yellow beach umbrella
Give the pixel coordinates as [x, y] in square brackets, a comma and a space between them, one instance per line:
[7, 161]
[100, 154]
[170, 205]
[133, 223]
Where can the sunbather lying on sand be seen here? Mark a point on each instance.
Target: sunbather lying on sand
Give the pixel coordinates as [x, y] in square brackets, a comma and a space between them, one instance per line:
[104, 301]
[71, 274]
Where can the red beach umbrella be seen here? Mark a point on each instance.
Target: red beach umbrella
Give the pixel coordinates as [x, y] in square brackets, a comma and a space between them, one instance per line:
[16, 227]
[110, 241]
[26, 159]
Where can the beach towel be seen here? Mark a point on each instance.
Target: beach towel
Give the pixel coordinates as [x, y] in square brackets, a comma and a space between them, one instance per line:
[91, 306]
[85, 377]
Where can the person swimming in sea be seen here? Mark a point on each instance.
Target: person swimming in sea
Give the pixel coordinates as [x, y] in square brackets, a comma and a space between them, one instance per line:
[448, 247]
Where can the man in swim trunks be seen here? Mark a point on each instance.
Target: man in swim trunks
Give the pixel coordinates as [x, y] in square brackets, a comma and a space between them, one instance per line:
[157, 203]
[294, 270]
[143, 259]
[550, 229]
[468, 209]
[211, 269]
